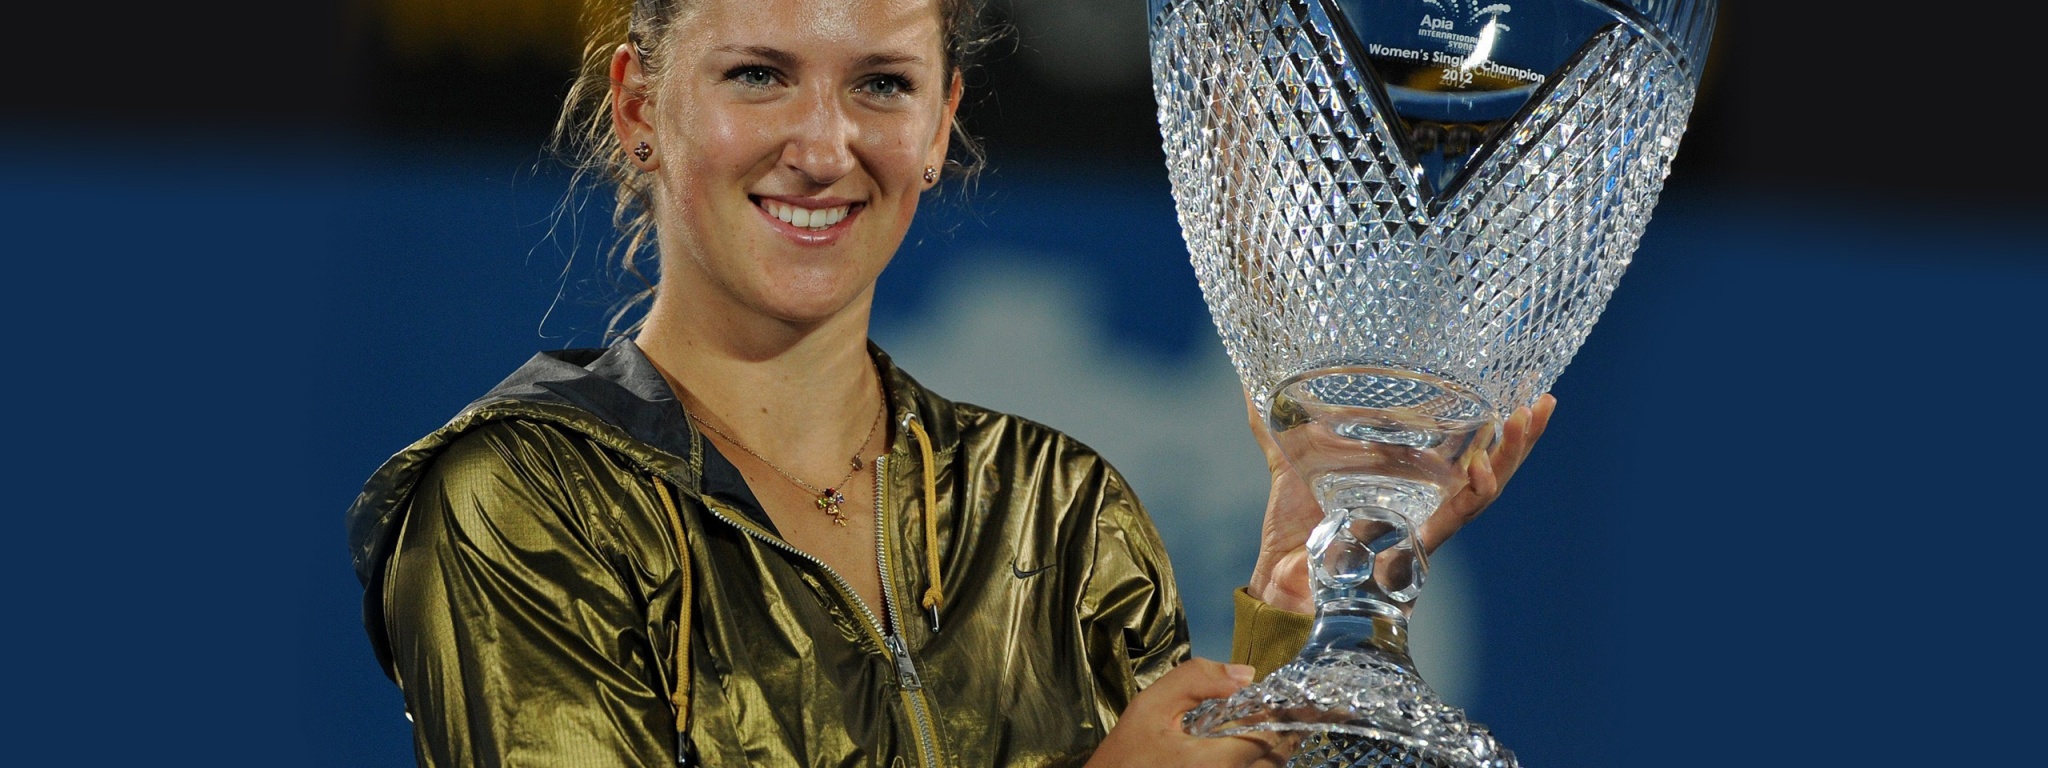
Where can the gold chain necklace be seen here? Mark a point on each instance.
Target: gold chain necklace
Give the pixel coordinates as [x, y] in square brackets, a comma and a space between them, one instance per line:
[829, 498]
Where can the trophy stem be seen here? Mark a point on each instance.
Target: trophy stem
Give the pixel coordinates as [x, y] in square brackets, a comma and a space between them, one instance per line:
[1366, 558]
[1353, 697]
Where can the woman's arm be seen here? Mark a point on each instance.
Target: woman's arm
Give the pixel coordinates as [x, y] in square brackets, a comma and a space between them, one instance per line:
[1136, 628]
[514, 642]
[1138, 635]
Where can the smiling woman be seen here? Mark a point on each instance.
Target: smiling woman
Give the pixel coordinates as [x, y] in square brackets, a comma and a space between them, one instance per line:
[739, 535]
[783, 114]
[747, 80]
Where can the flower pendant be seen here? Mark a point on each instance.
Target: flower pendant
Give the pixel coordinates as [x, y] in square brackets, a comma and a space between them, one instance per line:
[829, 501]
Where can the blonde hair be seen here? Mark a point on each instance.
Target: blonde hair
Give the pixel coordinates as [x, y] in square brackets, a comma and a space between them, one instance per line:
[584, 139]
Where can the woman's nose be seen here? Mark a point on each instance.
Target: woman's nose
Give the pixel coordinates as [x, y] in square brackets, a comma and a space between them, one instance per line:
[820, 144]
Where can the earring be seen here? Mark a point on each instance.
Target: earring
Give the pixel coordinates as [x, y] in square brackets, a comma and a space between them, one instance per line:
[930, 174]
[643, 151]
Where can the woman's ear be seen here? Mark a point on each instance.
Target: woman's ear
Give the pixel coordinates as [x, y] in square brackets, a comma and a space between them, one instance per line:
[632, 106]
[940, 142]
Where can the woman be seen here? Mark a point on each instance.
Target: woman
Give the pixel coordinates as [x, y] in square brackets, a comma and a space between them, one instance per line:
[742, 536]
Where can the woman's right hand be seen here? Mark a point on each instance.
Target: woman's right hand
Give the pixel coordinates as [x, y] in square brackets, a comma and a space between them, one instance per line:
[1149, 733]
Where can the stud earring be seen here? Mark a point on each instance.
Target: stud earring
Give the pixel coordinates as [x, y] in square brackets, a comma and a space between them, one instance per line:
[643, 151]
[930, 174]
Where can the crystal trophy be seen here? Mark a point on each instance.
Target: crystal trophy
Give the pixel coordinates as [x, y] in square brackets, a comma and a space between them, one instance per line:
[1405, 216]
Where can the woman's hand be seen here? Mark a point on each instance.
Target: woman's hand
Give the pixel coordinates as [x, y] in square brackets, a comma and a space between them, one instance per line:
[1149, 733]
[1280, 579]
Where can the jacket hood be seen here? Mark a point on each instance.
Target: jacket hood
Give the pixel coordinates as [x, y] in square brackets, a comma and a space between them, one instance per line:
[614, 396]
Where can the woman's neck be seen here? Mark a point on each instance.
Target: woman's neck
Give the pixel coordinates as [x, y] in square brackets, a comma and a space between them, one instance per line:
[800, 395]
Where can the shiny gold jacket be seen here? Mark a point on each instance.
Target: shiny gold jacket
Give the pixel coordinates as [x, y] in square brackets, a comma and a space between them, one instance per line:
[522, 586]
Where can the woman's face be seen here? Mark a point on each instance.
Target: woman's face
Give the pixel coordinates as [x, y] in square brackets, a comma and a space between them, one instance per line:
[791, 139]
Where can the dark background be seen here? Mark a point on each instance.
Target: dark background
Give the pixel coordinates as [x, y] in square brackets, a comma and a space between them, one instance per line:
[1803, 96]
[1788, 518]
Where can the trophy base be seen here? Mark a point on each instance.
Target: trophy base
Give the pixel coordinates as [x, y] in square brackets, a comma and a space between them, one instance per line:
[1352, 709]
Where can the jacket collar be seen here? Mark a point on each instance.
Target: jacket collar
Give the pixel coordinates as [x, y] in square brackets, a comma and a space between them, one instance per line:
[621, 386]
[615, 396]
[908, 399]
[616, 387]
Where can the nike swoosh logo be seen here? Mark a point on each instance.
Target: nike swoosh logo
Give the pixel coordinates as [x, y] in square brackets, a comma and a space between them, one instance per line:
[1024, 574]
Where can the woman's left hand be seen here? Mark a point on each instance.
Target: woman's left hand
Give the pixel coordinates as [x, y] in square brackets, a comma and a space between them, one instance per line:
[1280, 579]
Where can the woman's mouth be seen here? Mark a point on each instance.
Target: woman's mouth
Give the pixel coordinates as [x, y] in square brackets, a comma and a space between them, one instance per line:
[809, 219]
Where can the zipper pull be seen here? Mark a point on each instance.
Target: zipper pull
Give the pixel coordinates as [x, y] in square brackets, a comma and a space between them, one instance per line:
[906, 672]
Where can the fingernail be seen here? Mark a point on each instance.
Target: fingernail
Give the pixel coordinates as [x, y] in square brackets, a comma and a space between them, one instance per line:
[1242, 673]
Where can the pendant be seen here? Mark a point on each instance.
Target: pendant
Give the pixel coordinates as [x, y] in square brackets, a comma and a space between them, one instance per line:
[829, 501]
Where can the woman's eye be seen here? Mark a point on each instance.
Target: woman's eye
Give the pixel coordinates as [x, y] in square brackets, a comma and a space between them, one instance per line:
[887, 85]
[755, 77]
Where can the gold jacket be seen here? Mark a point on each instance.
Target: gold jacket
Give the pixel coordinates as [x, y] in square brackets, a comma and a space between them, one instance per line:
[523, 587]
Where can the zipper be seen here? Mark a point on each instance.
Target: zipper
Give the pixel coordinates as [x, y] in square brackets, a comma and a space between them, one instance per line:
[874, 624]
[906, 669]
[906, 672]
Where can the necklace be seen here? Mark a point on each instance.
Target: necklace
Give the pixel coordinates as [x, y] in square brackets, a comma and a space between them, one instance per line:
[829, 498]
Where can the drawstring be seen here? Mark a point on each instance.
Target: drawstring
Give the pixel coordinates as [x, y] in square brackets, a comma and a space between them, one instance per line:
[681, 696]
[934, 595]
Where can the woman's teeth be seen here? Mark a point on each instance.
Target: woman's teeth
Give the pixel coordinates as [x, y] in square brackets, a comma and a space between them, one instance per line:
[806, 217]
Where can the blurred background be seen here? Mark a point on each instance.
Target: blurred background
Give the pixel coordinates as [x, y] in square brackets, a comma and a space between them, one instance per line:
[1786, 514]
